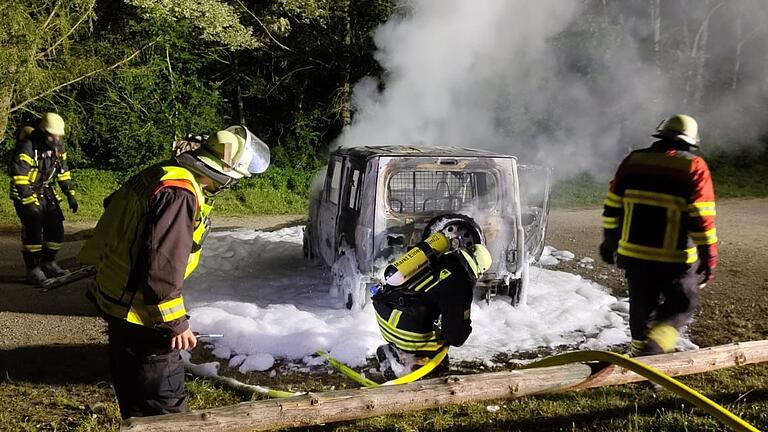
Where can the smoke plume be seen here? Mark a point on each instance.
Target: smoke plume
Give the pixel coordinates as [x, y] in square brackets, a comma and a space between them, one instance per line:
[572, 84]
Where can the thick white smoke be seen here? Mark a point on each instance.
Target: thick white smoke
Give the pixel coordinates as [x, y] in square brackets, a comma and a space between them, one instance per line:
[548, 80]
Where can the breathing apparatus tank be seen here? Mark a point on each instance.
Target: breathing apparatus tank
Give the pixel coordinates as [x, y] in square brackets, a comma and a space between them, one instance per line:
[416, 259]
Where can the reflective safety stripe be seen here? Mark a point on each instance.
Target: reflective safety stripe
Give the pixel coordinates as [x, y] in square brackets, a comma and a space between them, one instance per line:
[52, 245]
[30, 199]
[33, 175]
[64, 176]
[657, 254]
[168, 310]
[394, 317]
[610, 222]
[407, 335]
[63, 156]
[654, 198]
[32, 247]
[702, 209]
[613, 200]
[706, 238]
[20, 180]
[409, 341]
[664, 335]
[26, 158]
[444, 273]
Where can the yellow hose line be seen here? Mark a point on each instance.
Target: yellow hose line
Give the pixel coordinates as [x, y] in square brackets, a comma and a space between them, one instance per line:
[365, 382]
[420, 372]
[654, 375]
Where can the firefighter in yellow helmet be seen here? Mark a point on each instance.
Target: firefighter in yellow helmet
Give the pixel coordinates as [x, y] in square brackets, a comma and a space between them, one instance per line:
[430, 309]
[659, 220]
[143, 248]
[39, 161]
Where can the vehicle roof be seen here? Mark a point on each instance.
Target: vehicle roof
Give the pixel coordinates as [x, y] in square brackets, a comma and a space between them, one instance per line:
[405, 150]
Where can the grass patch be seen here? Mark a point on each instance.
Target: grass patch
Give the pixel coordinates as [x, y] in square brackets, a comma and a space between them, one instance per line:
[736, 174]
[277, 191]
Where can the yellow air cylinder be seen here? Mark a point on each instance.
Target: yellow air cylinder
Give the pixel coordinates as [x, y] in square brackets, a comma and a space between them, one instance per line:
[413, 261]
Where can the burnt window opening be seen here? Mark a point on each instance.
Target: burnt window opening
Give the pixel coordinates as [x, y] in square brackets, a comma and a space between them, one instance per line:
[440, 191]
[335, 184]
[354, 190]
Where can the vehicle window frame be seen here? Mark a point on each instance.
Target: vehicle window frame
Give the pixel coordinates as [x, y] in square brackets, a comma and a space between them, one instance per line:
[493, 172]
[353, 200]
[334, 176]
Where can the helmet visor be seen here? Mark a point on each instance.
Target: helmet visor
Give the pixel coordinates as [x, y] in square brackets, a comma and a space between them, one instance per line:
[254, 157]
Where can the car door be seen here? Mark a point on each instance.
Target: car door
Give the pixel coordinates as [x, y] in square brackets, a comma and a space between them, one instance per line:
[329, 210]
[535, 187]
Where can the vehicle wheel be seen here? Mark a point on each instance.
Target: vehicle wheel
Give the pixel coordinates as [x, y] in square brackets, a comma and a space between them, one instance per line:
[462, 231]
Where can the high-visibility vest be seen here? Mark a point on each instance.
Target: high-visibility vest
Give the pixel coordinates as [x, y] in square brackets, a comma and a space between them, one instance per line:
[663, 205]
[116, 245]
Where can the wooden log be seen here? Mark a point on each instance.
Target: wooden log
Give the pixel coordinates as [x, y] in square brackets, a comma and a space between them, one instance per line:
[342, 405]
[685, 363]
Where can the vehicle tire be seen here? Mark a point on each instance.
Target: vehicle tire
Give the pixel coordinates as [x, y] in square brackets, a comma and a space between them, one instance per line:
[460, 229]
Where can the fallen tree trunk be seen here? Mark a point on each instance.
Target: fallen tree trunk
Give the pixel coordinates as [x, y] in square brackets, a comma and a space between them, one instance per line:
[341, 405]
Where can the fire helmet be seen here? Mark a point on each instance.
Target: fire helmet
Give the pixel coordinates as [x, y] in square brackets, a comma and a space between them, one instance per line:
[52, 124]
[234, 152]
[681, 127]
[481, 256]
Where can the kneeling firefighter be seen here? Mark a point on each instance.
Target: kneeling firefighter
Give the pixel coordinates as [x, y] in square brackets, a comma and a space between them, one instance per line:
[146, 243]
[423, 307]
[39, 161]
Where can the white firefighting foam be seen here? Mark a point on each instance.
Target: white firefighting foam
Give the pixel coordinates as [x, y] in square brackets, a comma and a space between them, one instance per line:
[256, 288]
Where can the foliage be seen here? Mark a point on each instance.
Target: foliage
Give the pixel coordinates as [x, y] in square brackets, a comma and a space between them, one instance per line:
[217, 20]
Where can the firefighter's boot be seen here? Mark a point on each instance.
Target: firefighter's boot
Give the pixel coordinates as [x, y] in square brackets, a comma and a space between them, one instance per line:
[52, 269]
[36, 276]
[35, 273]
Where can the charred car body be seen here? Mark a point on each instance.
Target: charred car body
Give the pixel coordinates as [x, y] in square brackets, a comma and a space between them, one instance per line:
[375, 202]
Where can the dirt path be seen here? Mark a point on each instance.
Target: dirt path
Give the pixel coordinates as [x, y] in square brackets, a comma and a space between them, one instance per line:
[733, 307]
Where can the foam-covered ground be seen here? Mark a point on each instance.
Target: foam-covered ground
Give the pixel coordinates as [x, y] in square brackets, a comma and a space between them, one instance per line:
[256, 288]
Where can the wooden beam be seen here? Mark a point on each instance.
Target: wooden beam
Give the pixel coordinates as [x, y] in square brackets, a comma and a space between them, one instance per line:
[342, 405]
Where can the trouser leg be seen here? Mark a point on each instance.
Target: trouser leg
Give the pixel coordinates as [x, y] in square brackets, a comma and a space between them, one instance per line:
[681, 298]
[147, 380]
[668, 298]
[31, 234]
[53, 231]
[644, 293]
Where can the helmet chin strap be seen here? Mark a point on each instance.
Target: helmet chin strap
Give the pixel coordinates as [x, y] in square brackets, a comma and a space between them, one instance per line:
[193, 164]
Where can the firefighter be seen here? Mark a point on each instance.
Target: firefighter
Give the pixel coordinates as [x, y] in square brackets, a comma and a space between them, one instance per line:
[659, 225]
[144, 246]
[38, 161]
[428, 311]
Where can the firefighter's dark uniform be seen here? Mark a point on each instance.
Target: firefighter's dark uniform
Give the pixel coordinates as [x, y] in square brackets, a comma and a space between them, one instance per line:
[34, 169]
[432, 309]
[659, 218]
[144, 246]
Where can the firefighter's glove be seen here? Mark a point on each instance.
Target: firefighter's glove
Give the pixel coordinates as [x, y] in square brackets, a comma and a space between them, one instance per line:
[608, 252]
[707, 264]
[72, 203]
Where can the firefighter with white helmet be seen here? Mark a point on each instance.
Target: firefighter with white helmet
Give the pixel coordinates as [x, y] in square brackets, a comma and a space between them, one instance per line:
[429, 307]
[659, 220]
[143, 248]
[38, 162]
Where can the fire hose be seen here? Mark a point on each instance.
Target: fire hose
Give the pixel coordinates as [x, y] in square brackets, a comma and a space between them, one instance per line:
[653, 375]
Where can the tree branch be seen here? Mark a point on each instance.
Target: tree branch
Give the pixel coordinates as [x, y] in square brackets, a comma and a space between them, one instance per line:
[80, 78]
[63, 38]
[50, 17]
[263, 26]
